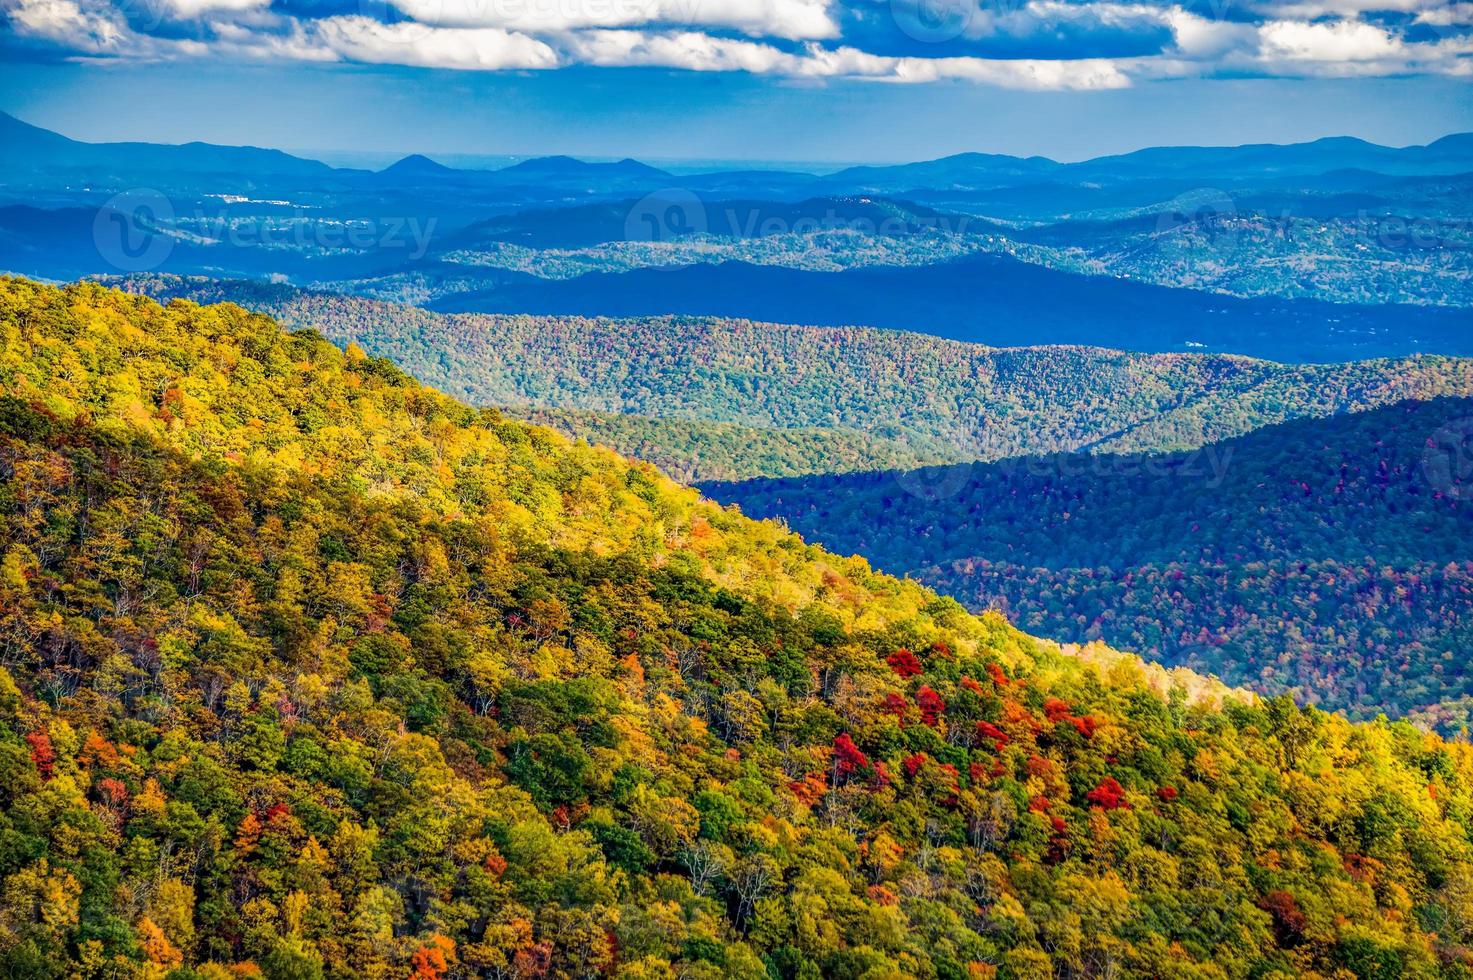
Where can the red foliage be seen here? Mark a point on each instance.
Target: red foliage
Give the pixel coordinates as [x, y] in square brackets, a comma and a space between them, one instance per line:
[986, 729]
[998, 677]
[1108, 795]
[914, 763]
[1289, 921]
[930, 703]
[971, 684]
[113, 791]
[941, 650]
[904, 663]
[848, 759]
[1167, 793]
[1084, 726]
[895, 704]
[1059, 844]
[1056, 709]
[42, 754]
[1039, 804]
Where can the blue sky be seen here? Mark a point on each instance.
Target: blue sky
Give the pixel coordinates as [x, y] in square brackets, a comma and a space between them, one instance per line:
[840, 80]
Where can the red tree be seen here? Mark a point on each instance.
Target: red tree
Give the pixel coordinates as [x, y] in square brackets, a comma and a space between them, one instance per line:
[1109, 795]
[904, 663]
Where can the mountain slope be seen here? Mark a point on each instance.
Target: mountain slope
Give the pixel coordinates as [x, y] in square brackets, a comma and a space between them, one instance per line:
[941, 400]
[993, 299]
[26, 147]
[311, 671]
[1326, 557]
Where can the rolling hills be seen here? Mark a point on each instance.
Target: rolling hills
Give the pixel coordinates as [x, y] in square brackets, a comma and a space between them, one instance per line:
[311, 671]
[996, 300]
[888, 397]
[1326, 557]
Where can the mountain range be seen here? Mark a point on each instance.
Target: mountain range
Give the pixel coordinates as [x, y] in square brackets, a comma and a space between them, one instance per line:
[1328, 251]
[29, 147]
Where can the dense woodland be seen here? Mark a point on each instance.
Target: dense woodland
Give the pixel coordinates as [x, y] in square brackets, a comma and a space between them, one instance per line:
[695, 449]
[908, 397]
[314, 672]
[309, 671]
[1324, 557]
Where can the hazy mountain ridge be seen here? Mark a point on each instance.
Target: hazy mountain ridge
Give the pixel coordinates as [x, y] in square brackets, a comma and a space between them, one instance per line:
[1326, 251]
[32, 145]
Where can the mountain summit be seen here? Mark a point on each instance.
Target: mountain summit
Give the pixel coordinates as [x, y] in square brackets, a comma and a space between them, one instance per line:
[417, 165]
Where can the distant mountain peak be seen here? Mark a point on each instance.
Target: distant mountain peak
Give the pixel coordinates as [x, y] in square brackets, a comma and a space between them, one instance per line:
[417, 163]
[566, 166]
[1461, 142]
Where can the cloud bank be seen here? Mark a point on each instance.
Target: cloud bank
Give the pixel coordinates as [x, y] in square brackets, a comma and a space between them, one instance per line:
[1020, 44]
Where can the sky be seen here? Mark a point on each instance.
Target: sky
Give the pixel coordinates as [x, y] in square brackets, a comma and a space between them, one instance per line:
[766, 80]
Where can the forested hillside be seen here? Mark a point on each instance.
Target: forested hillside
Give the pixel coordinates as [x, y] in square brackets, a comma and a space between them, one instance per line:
[309, 671]
[1329, 557]
[904, 398]
[696, 449]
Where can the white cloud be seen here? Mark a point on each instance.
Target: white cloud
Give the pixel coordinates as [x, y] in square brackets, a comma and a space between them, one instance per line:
[1338, 41]
[690, 50]
[90, 31]
[788, 19]
[364, 39]
[520, 34]
[1202, 38]
[1450, 15]
[190, 9]
[694, 51]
